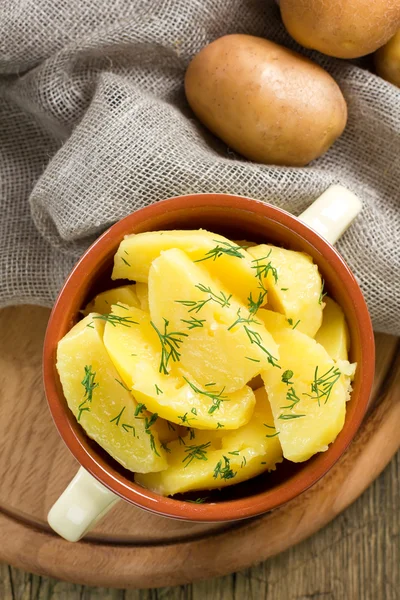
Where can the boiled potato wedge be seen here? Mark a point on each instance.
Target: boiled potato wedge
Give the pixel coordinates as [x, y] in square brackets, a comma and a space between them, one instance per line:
[307, 396]
[221, 342]
[102, 303]
[100, 402]
[333, 334]
[293, 283]
[221, 258]
[142, 292]
[136, 352]
[205, 460]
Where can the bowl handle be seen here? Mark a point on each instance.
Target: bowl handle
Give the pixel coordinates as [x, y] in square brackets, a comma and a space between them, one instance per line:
[332, 213]
[80, 506]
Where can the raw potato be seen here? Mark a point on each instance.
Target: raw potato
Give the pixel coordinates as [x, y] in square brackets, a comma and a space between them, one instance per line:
[306, 425]
[212, 350]
[333, 334]
[295, 288]
[125, 294]
[107, 410]
[265, 101]
[248, 452]
[136, 353]
[387, 60]
[341, 28]
[139, 251]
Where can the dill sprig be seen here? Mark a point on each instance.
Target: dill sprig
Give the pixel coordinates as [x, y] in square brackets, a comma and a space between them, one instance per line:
[289, 417]
[254, 305]
[220, 426]
[271, 435]
[140, 408]
[192, 323]
[122, 384]
[196, 305]
[224, 472]
[322, 294]
[115, 320]
[322, 385]
[255, 338]
[240, 320]
[125, 261]
[118, 417]
[164, 446]
[89, 385]
[198, 500]
[158, 390]
[292, 397]
[220, 249]
[126, 427]
[222, 299]
[287, 376]
[196, 452]
[170, 343]
[290, 321]
[263, 269]
[147, 424]
[185, 419]
[216, 397]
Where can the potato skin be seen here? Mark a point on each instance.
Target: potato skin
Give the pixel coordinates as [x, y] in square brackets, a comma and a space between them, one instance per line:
[341, 28]
[387, 60]
[266, 102]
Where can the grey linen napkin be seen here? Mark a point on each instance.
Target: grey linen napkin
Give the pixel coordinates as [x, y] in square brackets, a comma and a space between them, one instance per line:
[94, 124]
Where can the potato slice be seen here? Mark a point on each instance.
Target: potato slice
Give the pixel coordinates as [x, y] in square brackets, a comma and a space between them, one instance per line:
[136, 353]
[217, 459]
[142, 292]
[308, 396]
[294, 285]
[333, 334]
[125, 294]
[220, 257]
[221, 342]
[97, 397]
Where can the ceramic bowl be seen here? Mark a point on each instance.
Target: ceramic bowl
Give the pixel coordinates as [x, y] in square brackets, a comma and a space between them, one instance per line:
[237, 218]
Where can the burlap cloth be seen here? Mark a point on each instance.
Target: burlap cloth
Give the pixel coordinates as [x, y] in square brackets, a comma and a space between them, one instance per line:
[94, 124]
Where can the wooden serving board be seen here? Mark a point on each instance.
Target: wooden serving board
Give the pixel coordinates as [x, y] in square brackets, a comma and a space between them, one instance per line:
[133, 548]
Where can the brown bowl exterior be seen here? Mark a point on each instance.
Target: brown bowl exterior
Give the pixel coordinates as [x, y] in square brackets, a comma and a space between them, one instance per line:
[238, 218]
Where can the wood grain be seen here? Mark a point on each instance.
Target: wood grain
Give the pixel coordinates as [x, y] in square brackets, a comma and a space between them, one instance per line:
[36, 466]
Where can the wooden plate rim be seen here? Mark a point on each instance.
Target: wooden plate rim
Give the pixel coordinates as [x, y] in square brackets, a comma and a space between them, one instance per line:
[128, 566]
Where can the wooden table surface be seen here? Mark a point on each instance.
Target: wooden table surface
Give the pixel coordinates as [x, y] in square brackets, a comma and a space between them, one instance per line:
[356, 557]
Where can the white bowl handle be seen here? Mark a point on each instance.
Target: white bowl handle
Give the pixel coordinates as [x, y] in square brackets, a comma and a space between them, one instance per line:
[80, 506]
[332, 213]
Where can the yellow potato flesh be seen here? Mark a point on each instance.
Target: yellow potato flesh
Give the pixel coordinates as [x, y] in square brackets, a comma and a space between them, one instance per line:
[140, 250]
[295, 290]
[217, 350]
[333, 334]
[311, 424]
[107, 411]
[136, 353]
[248, 450]
[102, 302]
[142, 292]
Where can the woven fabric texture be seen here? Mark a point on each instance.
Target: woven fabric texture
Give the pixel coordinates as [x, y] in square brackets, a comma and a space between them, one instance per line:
[94, 124]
